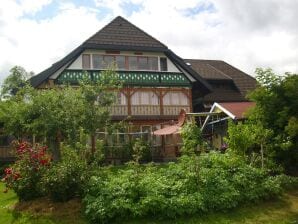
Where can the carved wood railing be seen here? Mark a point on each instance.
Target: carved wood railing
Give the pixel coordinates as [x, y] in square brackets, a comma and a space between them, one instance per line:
[122, 110]
[145, 110]
[119, 110]
[174, 110]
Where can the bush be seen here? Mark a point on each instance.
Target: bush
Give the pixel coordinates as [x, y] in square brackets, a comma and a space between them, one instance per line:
[24, 176]
[65, 180]
[195, 184]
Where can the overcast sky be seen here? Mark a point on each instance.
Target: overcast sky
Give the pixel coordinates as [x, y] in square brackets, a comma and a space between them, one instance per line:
[247, 34]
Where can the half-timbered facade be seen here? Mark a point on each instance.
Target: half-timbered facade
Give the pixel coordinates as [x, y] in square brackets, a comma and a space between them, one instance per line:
[157, 83]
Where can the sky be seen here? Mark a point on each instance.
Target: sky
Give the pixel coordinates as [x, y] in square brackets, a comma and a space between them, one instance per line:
[35, 34]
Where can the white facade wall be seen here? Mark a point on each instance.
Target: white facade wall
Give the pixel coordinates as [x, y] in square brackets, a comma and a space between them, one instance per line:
[77, 64]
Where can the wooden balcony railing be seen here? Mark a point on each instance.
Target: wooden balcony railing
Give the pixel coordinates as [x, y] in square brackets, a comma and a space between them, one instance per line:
[143, 110]
[119, 110]
[174, 110]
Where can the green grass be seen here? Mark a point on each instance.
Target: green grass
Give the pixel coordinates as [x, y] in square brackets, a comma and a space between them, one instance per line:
[42, 211]
[282, 211]
[7, 200]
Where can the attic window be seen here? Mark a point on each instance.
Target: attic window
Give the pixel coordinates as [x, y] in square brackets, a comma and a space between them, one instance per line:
[86, 61]
[163, 64]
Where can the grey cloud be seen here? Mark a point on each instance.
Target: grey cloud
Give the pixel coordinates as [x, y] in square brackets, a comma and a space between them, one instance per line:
[260, 15]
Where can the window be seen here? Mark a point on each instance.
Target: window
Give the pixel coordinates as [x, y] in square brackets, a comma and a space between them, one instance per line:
[86, 61]
[133, 63]
[97, 61]
[124, 62]
[108, 61]
[121, 99]
[144, 98]
[143, 63]
[153, 64]
[163, 64]
[175, 98]
[120, 62]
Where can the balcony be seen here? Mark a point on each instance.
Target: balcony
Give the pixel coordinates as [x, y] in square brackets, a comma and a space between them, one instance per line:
[137, 78]
[175, 110]
[147, 110]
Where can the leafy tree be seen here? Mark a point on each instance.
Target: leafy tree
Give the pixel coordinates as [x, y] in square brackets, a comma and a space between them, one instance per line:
[240, 138]
[60, 113]
[276, 109]
[246, 139]
[98, 97]
[16, 80]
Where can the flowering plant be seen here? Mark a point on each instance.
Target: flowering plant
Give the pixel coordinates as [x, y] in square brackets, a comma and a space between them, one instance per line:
[24, 176]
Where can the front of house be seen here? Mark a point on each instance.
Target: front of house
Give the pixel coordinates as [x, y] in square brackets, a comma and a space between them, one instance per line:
[158, 84]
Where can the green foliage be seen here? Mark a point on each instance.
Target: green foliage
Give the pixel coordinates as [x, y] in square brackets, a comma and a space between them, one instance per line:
[249, 139]
[25, 174]
[98, 97]
[15, 81]
[59, 113]
[65, 180]
[195, 184]
[192, 137]
[240, 138]
[276, 109]
[140, 150]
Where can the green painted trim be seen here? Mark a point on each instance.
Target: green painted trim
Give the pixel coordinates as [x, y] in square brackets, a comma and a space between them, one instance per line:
[131, 78]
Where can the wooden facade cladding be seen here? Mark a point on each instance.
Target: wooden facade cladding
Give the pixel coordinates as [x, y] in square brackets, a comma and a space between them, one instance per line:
[159, 109]
[140, 82]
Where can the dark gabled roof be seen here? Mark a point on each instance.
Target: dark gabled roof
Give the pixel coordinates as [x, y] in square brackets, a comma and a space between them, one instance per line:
[228, 94]
[237, 83]
[225, 71]
[206, 87]
[120, 32]
[41, 77]
[206, 70]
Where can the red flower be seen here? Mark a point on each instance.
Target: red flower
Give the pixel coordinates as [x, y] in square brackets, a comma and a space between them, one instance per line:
[43, 162]
[8, 171]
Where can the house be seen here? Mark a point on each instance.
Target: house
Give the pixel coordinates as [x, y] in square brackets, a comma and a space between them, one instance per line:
[157, 82]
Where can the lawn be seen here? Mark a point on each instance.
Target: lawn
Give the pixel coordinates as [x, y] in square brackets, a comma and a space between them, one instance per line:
[43, 211]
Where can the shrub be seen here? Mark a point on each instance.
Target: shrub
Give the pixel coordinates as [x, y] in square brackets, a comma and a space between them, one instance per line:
[65, 180]
[192, 137]
[209, 182]
[25, 175]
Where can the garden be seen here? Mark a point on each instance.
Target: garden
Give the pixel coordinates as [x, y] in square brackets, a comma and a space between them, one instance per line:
[65, 163]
